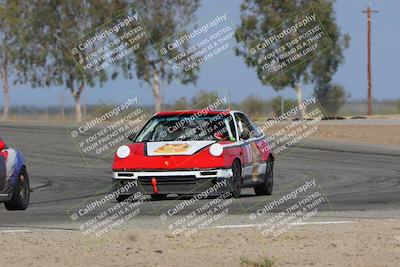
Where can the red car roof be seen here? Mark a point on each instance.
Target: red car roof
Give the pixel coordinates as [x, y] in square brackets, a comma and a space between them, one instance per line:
[191, 112]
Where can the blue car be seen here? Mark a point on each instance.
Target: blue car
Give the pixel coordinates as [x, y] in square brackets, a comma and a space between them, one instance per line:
[14, 180]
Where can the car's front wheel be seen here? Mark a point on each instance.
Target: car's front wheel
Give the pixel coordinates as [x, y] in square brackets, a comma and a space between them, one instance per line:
[237, 179]
[265, 188]
[21, 193]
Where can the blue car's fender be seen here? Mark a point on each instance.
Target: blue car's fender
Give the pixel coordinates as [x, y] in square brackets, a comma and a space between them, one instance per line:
[13, 166]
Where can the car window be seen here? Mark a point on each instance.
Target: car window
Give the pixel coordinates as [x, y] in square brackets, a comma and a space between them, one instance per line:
[244, 123]
[186, 128]
[255, 130]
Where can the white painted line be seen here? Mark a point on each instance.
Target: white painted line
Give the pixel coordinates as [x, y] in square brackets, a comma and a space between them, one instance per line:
[328, 222]
[13, 231]
[234, 226]
[34, 230]
[255, 225]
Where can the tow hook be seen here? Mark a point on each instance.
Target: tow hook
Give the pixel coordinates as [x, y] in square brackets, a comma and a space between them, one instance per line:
[154, 184]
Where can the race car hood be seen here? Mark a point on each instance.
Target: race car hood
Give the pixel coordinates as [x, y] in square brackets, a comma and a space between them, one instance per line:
[175, 148]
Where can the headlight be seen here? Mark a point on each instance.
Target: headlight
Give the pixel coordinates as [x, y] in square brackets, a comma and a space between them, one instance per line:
[216, 150]
[123, 152]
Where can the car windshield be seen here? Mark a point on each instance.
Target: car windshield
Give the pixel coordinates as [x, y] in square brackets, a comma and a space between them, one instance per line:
[188, 127]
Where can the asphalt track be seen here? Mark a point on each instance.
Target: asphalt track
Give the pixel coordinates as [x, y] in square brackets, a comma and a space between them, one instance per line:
[358, 180]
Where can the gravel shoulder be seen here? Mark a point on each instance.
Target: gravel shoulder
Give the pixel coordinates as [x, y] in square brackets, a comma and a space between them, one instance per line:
[368, 134]
[374, 133]
[359, 243]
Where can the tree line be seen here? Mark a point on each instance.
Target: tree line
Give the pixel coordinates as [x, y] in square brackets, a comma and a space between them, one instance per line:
[35, 34]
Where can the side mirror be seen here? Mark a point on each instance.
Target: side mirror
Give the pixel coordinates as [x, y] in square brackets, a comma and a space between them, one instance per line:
[245, 135]
[132, 137]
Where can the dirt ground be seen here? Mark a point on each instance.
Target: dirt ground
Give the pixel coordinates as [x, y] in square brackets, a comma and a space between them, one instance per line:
[369, 134]
[364, 134]
[359, 243]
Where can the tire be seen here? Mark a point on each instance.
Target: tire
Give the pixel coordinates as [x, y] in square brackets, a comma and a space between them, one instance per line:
[158, 196]
[21, 193]
[265, 188]
[237, 179]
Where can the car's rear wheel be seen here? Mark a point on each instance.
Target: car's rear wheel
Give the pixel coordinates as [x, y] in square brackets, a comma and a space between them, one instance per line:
[21, 193]
[158, 196]
[265, 188]
[237, 179]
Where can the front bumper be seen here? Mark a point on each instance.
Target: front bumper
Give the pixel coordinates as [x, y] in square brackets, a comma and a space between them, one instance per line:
[216, 181]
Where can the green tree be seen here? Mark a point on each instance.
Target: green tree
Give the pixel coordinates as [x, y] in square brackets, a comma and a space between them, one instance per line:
[13, 31]
[162, 20]
[55, 24]
[333, 99]
[253, 105]
[181, 104]
[203, 99]
[280, 105]
[259, 17]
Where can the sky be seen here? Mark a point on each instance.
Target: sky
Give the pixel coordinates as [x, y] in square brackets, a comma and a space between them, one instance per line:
[230, 75]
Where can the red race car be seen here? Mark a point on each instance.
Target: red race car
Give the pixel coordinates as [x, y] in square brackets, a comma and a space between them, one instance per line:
[188, 152]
